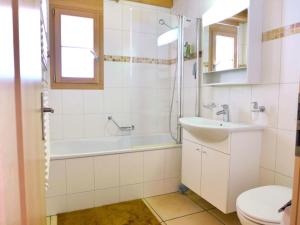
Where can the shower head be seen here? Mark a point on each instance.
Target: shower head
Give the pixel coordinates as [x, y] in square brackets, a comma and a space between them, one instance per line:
[163, 23]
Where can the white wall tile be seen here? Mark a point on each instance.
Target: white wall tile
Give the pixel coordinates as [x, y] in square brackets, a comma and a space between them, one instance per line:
[267, 177]
[112, 42]
[285, 158]
[163, 76]
[131, 192]
[171, 185]
[266, 95]
[143, 100]
[290, 65]
[134, 44]
[94, 126]
[283, 180]
[154, 162]
[80, 201]
[112, 15]
[163, 105]
[148, 21]
[272, 14]
[56, 127]
[189, 103]
[290, 12]
[107, 171]
[131, 18]
[72, 102]
[172, 163]
[154, 188]
[271, 61]
[240, 98]
[268, 151]
[80, 175]
[106, 196]
[73, 126]
[113, 100]
[131, 168]
[57, 178]
[113, 74]
[93, 102]
[143, 75]
[145, 123]
[55, 205]
[288, 107]
[55, 101]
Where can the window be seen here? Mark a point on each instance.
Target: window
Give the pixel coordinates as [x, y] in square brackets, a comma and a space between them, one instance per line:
[76, 51]
[223, 41]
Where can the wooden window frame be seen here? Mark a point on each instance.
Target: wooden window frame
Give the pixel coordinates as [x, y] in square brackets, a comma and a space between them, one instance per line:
[59, 82]
[224, 30]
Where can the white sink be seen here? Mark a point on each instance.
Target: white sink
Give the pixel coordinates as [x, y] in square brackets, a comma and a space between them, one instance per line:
[213, 130]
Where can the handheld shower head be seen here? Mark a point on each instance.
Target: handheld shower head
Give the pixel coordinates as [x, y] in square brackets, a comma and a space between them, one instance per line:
[163, 23]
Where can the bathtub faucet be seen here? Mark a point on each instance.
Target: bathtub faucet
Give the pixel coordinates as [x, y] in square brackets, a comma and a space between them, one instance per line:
[129, 128]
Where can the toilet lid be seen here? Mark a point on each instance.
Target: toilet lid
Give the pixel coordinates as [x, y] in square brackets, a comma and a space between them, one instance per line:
[262, 203]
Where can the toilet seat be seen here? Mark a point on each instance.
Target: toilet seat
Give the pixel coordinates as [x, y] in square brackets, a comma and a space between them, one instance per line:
[253, 220]
[261, 205]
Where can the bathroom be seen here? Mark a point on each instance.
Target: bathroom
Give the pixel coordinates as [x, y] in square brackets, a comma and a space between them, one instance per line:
[145, 119]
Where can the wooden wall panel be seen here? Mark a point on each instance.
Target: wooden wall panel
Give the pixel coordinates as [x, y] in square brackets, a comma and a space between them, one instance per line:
[83, 4]
[162, 3]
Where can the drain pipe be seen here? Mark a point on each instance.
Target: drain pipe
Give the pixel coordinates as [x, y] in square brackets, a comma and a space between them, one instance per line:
[199, 65]
[180, 72]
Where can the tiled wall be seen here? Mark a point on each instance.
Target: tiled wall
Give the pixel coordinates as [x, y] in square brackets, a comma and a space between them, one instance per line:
[134, 93]
[95, 181]
[278, 93]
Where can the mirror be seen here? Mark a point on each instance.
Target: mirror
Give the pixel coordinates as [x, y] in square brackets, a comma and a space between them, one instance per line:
[225, 44]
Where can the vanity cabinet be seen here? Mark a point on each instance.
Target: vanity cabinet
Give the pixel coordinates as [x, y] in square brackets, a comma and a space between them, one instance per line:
[219, 172]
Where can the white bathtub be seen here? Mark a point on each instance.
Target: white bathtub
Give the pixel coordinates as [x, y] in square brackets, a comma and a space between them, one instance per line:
[109, 145]
[92, 173]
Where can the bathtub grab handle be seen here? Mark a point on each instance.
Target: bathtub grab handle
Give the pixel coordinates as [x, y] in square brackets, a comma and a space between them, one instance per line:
[128, 128]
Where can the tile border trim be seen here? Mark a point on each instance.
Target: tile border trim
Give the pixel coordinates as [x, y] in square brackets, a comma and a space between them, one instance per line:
[281, 32]
[129, 59]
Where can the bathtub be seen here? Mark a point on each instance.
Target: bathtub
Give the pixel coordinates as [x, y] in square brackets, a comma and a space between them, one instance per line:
[109, 145]
[94, 172]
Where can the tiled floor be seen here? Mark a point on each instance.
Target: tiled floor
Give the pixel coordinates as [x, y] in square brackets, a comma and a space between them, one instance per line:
[187, 209]
[179, 209]
[52, 220]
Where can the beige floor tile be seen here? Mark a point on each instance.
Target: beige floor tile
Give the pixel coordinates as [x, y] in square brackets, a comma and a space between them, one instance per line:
[198, 200]
[53, 220]
[173, 205]
[48, 220]
[202, 218]
[227, 219]
[153, 212]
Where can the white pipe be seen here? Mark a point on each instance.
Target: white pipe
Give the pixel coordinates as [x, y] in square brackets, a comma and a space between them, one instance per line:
[199, 65]
[180, 72]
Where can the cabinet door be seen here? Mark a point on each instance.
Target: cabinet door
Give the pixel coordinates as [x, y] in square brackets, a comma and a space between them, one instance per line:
[191, 165]
[215, 177]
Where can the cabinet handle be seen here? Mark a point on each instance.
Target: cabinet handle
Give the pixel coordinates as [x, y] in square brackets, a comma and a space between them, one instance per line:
[204, 152]
[197, 149]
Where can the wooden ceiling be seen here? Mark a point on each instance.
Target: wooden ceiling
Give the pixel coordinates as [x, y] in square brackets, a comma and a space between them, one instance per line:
[235, 20]
[162, 3]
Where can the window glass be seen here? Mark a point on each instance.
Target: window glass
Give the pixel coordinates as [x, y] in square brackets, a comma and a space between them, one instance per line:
[77, 46]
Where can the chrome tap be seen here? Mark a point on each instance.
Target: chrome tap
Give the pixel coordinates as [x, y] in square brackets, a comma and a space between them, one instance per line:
[224, 112]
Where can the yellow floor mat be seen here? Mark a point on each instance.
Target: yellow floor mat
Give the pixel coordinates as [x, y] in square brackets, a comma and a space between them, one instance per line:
[125, 213]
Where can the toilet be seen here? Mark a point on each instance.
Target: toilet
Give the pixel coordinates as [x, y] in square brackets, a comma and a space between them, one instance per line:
[260, 205]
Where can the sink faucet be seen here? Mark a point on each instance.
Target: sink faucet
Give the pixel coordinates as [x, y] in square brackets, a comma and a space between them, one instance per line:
[224, 112]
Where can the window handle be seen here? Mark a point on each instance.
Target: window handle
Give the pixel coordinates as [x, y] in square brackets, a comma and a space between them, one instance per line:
[96, 57]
